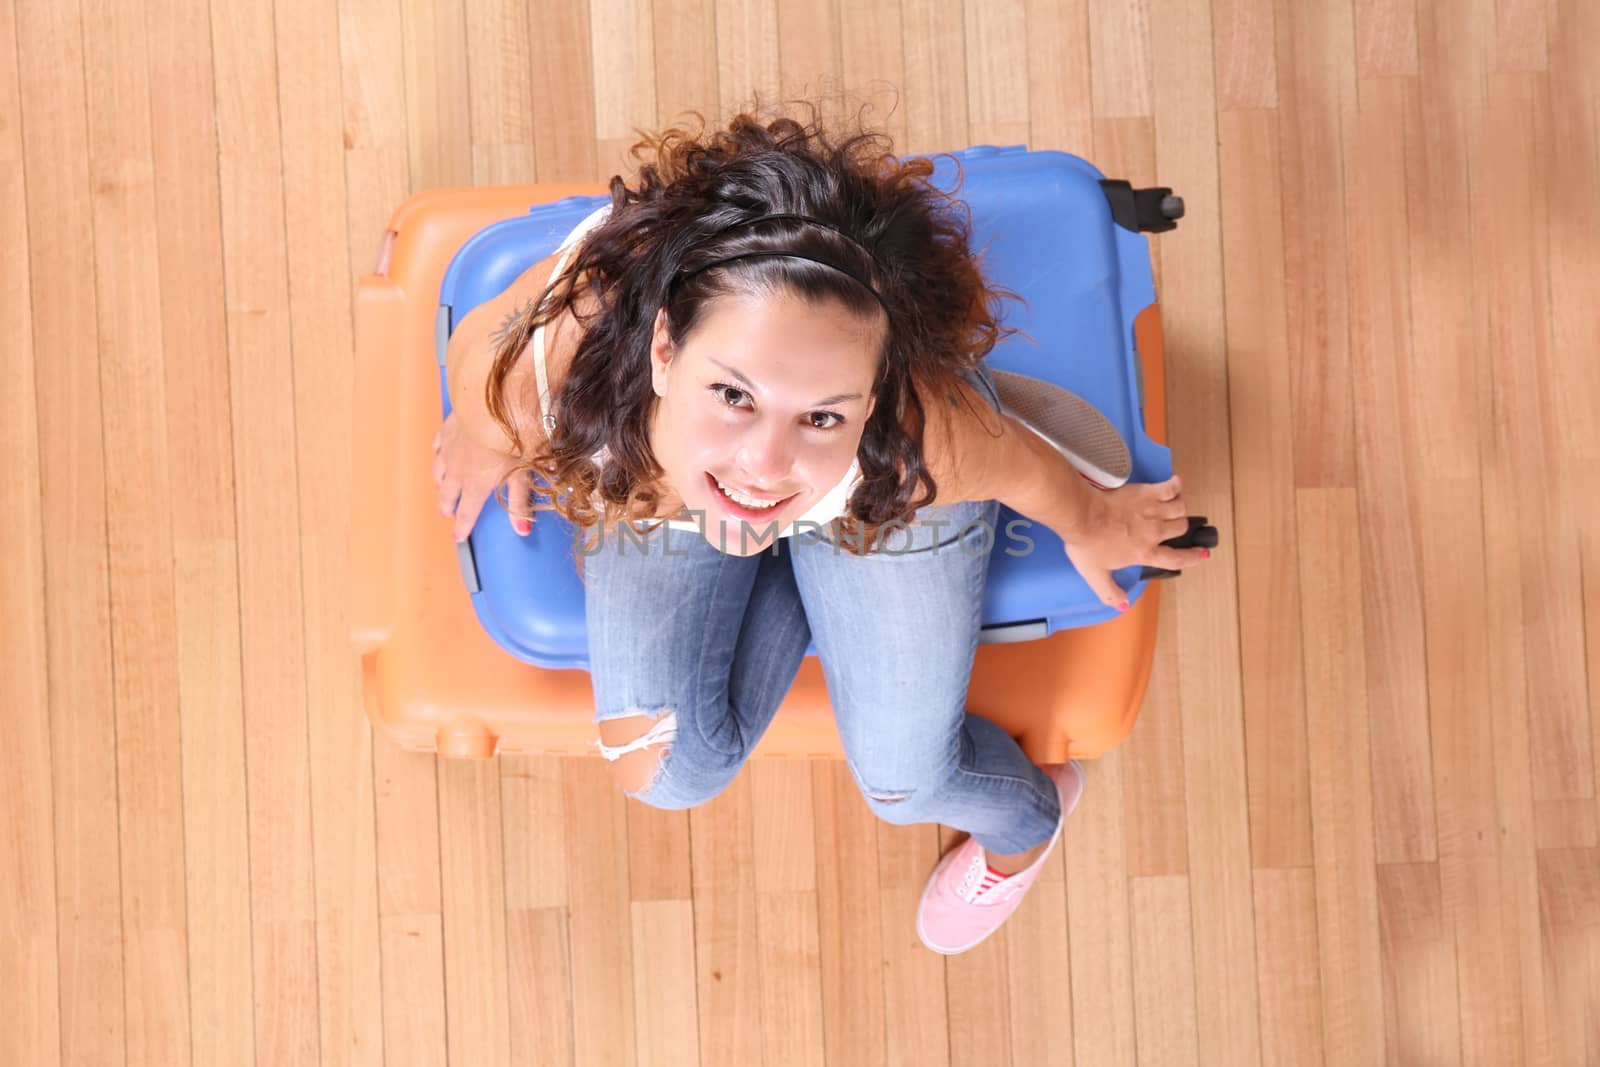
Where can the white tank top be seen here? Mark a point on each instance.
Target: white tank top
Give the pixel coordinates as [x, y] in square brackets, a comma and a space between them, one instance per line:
[831, 505]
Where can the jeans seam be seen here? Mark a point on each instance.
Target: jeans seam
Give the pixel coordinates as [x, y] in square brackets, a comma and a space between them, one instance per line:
[700, 669]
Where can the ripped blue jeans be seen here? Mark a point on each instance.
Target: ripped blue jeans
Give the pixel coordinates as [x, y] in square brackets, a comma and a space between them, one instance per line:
[708, 645]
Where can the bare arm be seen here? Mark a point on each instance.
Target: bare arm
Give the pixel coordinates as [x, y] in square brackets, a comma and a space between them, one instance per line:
[976, 454]
[471, 354]
[473, 455]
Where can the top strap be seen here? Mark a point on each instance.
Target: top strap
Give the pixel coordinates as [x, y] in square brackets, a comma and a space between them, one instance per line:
[540, 373]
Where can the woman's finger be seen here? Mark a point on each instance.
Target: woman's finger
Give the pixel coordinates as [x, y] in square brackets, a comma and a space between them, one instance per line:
[467, 512]
[519, 501]
[1172, 527]
[1172, 509]
[1176, 559]
[449, 497]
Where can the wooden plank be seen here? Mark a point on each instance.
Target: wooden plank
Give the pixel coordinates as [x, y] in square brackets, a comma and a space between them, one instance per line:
[413, 988]
[1569, 905]
[997, 72]
[1522, 442]
[979, 1001]
[205, 541]
[684, 78]
[658, 854]
[1287, 963]
[872, 64]
[216, 826]
[727, 964]
[1206, 611]
[747, 53]
[848, 919]
[1521, 38]
[1419, 966]
[1152, 769]
[138, 484]
[438, 122]
[82, 749]
[1387, 473]
[1164, 972]
[810, 56]
[1119, 59]
[667, 1029]
[1098, 930]
[1060, 86]
[1571, 168]
[1386, 38]
[1244, 38]
[783, 838]
[1261, 419]
[1443, 322]
[1591, 612]
[533, 812]
[1471, 666]
[411, 928]
[1493, 874]
[563, 97]
[256, 276]
[791, 977]
[499, 97]
[934, 44]
[1341, 784]
[405, 808]
[339, 740]
[472, 869]
[377, 167]
[1316, 85]
[915, 992]
[29, 970]
[1039, 991]
[622, 41]
[539, 976]
[600, 921]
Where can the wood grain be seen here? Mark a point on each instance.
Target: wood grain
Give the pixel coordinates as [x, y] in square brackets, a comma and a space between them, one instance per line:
[1356, 822]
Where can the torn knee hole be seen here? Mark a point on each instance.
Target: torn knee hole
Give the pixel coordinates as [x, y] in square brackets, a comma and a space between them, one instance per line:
[640, 746]
[888, 798]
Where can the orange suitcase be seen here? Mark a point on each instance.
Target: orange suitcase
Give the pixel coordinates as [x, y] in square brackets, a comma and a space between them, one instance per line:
[433, 680]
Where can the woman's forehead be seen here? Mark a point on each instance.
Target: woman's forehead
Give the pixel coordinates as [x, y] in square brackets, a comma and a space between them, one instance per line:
[780, 329]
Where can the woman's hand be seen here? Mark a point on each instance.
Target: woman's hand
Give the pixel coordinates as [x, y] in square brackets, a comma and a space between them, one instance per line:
[1125, 527]
[467, 472]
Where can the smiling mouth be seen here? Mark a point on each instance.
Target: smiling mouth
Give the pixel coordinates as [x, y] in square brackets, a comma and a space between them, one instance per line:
[744, 504]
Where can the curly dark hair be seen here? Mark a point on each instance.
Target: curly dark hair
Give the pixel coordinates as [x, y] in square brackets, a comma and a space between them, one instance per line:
[909, 238]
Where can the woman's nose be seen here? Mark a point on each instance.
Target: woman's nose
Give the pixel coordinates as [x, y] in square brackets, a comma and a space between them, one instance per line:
[765, 457]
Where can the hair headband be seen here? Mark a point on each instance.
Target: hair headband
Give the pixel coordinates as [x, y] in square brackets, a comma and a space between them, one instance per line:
[866, 284]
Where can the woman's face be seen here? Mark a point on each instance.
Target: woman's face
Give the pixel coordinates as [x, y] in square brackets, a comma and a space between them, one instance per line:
[760, 411]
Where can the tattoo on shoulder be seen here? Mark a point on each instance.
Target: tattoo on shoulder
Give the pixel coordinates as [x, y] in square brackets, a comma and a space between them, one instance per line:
[509, 324]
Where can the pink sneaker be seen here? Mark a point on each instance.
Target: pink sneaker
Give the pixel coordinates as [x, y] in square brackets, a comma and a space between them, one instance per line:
[965, 902]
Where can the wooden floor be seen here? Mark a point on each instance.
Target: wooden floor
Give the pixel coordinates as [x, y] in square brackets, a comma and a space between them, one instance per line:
[1356, 823]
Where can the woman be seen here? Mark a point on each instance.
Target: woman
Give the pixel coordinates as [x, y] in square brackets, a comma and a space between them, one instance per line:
[757, 379]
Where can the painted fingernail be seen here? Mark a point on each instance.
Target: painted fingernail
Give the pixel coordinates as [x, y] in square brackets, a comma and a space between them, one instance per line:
[1122, 606]
[1205, 553]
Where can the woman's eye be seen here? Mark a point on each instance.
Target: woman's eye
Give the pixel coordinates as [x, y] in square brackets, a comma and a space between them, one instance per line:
[723, 392]
[734, 397]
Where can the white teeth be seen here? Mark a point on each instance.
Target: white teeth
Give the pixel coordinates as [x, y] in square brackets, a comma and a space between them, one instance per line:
[745, 501]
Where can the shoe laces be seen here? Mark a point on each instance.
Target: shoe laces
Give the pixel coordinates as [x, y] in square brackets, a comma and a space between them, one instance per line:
[980, 885]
